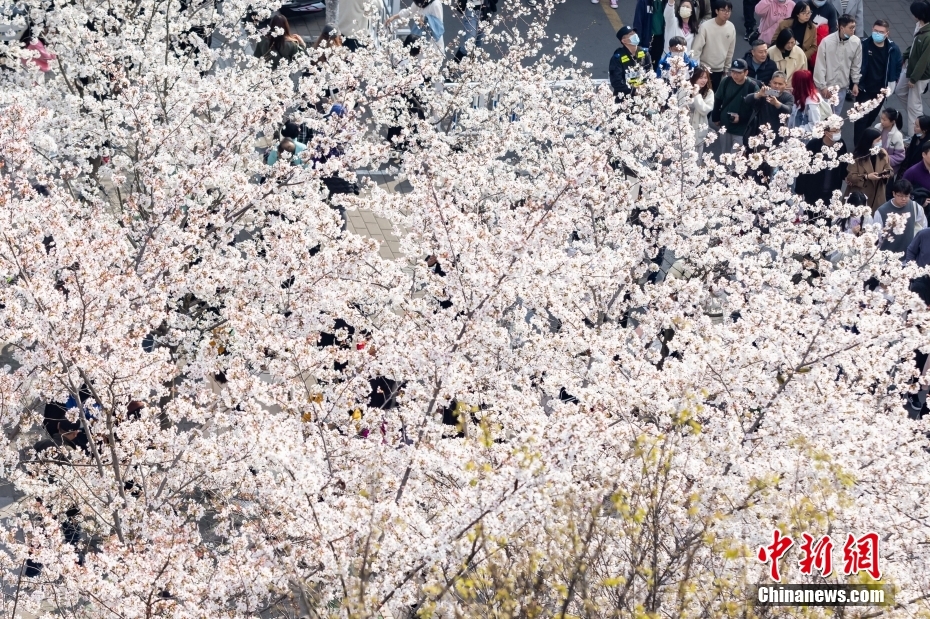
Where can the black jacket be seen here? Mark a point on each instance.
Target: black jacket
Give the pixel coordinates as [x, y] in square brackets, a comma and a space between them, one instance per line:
[629, 71]
[812, 186]
[764, 113]
[766, 69]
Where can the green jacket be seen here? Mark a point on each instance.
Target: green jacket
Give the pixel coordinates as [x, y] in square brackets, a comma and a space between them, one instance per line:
[917, 56]
[731, 97]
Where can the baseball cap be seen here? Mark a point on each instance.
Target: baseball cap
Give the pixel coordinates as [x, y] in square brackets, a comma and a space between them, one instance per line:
[739, 65]
[624, 31]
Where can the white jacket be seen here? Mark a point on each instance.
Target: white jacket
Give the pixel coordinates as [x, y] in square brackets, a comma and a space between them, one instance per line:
[838, 62]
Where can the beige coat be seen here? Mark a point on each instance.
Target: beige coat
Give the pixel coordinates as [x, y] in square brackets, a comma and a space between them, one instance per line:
[788, 64]
[809, 44]
[856, 179]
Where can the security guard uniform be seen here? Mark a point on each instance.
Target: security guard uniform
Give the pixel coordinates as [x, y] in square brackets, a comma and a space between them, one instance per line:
[628, 70]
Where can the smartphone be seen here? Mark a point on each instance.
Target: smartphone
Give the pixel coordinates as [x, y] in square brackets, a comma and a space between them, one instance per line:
[732, 114]
[771, 92]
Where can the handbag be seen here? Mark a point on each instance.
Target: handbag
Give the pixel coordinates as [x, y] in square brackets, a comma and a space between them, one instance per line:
[436, 27]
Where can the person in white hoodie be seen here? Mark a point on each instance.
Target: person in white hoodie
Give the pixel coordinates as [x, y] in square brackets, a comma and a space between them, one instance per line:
[701, 105]
[839, 62]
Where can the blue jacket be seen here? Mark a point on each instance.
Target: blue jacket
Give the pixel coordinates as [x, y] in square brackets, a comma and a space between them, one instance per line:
[665, 64]
[893, 72]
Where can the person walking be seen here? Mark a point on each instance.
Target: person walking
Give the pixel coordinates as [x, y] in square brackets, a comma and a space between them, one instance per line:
[871, 169]
[354, 23]
[473, 13]
[900, 204]
[429, 21]
[701, 105]
[730, 107]
[630, 63]
[856, 8]
[682, 22]
[771, 13]
[839, 61]
[649, 23]
[787, 55]
[881, 68]
[819, 186]
[750, 32]
[803, 29]
[715, 42]
[913, 84]
[761, 67]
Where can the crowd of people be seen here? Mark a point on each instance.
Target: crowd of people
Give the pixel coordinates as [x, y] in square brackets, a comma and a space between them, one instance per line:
[808, 62]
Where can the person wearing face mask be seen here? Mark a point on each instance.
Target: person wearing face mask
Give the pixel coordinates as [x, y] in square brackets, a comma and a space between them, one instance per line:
[870, 170]
[913, 84]
[681, 23]
[821, 185]
[771, 13]
[676, 50]
[630, 64]
[824, 11]
[716, 41]
[881, 68]
[761, 67]
[900, 204]
[839, 61]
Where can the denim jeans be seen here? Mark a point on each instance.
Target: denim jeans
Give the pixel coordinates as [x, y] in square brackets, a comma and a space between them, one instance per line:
[472, 24]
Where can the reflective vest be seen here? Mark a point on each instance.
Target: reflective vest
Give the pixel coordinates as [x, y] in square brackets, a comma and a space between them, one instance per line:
[633, 69]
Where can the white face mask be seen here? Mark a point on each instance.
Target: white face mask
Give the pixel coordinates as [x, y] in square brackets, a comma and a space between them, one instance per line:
[836, 137]
[685, 11]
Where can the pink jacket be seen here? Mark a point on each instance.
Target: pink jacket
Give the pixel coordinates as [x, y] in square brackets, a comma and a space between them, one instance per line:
[771, 12]
[42, 59]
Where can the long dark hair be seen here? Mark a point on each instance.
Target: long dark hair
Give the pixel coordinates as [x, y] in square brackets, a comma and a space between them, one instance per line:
[865, 142]
[279, 21]
[693, 22]
[894, 116]
[696, 75]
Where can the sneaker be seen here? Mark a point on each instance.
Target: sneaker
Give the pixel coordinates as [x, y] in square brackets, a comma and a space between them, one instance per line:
[613, 4]
[595, 1]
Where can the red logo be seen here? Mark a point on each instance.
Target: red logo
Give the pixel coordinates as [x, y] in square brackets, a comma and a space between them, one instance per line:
[859, 555]
[774, 551]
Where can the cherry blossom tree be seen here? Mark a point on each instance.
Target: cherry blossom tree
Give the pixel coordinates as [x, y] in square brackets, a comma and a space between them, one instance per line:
[526, 416]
